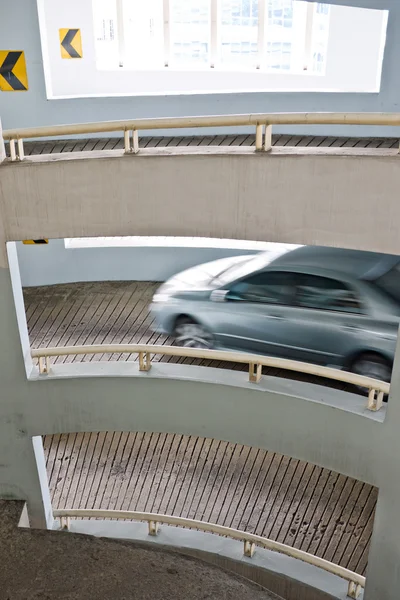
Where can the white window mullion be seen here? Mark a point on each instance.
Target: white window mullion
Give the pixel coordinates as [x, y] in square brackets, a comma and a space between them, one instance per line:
[121, 32]
[167, 31]
[214, 32]
[262, 26]
[307, 61]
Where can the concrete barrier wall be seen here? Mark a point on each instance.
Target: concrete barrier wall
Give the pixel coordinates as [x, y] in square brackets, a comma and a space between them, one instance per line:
[305, 198]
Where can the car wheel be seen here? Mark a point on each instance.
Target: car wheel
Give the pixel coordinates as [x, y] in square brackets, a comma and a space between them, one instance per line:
[190, 334]
[372, 365]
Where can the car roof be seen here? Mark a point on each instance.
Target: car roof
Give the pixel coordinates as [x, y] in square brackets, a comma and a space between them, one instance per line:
[356, 263]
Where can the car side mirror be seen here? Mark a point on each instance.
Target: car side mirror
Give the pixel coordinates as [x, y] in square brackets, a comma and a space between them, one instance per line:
[218, 295]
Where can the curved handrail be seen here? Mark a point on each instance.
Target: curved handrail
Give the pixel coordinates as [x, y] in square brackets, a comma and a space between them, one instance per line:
[317, 118]
[356, 581]
[255, 362]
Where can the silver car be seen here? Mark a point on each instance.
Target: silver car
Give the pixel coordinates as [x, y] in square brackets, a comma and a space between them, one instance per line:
[328, 306]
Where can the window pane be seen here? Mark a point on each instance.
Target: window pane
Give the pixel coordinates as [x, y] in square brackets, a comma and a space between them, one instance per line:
[144, 36]
[279, 33]
[390, 283]
[325, 294]
[190, 31]
[268, 288]
[239, 32]
[319, 40]
[105, 31]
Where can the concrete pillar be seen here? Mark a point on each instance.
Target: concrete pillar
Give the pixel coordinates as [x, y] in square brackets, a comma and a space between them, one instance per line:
[383, 574]
[22, 465]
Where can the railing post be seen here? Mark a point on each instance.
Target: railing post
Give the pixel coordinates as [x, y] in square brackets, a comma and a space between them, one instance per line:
[249, 548]
[354, 589]
[127, 141]
[268, 138]
[135, 141]
[144, 361]
[153, 528]
[255, 372]
[13, 153]
[65, 523]
[21, 153]
[259, 137]
[44, 365]
[375, 400]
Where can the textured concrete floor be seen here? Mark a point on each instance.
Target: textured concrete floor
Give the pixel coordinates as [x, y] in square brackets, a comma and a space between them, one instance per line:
[45, 565]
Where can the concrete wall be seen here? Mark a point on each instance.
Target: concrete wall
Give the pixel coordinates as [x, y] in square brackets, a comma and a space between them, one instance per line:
[305, 198]
[54, 263]
[19, 29]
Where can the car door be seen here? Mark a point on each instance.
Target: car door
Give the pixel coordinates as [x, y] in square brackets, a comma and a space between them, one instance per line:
[324, 320]
[250, 317]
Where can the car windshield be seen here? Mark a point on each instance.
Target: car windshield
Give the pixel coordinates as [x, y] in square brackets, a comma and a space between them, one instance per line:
[244, 268]
[390, 283]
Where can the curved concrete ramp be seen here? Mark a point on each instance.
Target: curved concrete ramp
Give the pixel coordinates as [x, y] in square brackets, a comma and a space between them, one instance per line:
[261, 492]
[49, 565]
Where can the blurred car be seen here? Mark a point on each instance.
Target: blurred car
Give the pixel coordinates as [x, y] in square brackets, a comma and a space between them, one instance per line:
[328, 306]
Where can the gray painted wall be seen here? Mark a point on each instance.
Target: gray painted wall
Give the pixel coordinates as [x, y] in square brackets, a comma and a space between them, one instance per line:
[19, 29]
[53, 263]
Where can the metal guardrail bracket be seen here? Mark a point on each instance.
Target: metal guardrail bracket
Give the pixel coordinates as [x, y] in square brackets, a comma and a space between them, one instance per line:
[44, 365]
[65, 523]
[375, 400]
[154, 528]
[144, 361]
[268, 138]
[249, 548]
[255, 372]
[17, 152]
[354, 590]
[131, 147]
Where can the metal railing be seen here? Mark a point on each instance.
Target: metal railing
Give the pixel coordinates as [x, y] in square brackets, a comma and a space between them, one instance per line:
[376, 389]
[355, 581]
[262, 122]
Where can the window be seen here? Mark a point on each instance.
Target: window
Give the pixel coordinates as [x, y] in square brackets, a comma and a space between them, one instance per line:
[390, 283]
[268, 288]
[325, 294]
[239, 32]
[143, 38]
[322, 9]
[190, 32]
[319, 38]
[105, 24]
[271, 35]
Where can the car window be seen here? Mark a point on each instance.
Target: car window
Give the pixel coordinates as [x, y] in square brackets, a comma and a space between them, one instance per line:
[389, 283]
[267, 287]
[325, 293]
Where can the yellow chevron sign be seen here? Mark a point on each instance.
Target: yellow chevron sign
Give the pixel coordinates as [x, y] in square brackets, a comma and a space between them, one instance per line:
[13, 76]
[70, 43]
[44, 241]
